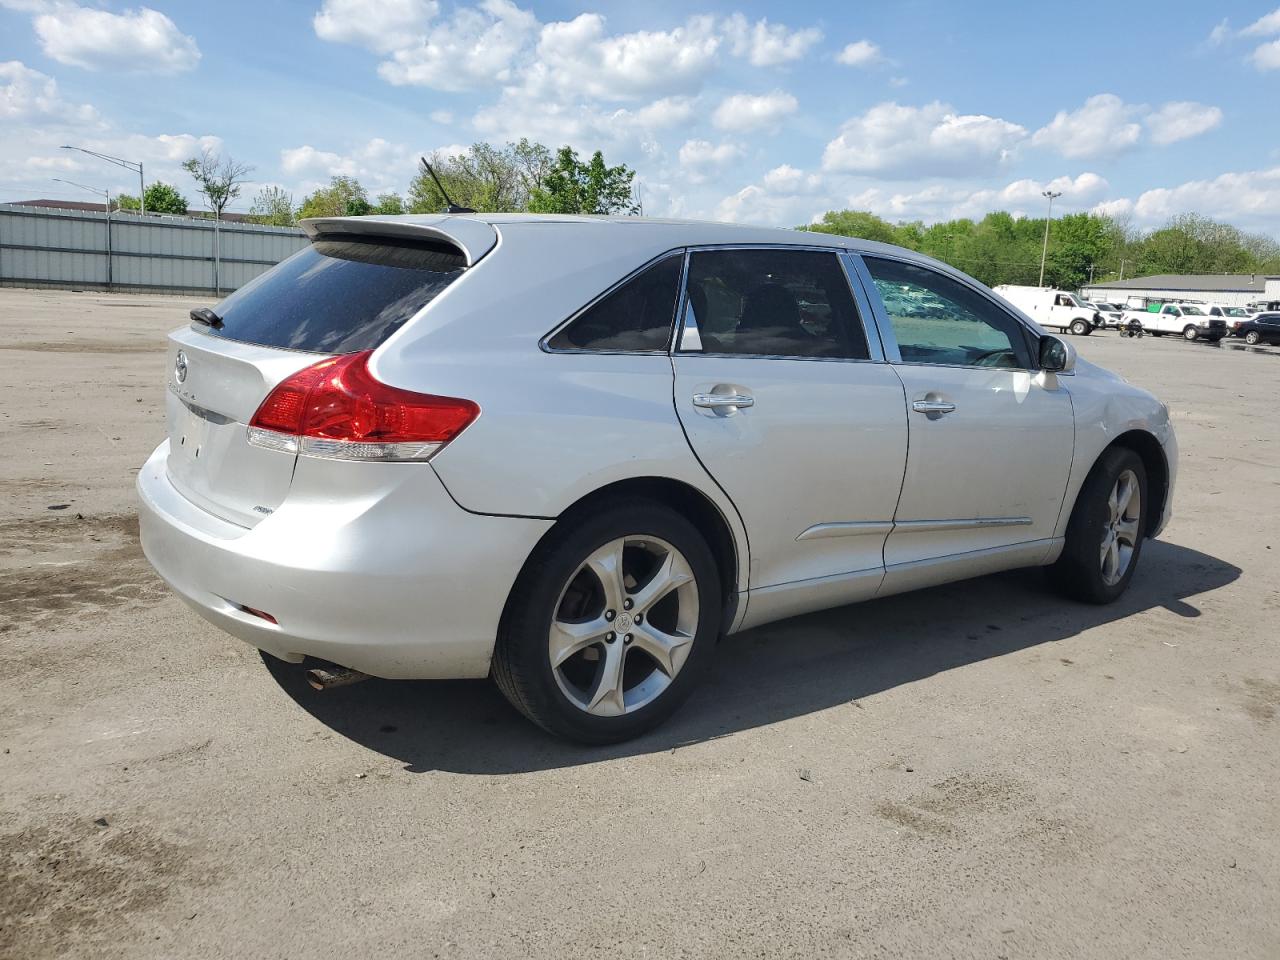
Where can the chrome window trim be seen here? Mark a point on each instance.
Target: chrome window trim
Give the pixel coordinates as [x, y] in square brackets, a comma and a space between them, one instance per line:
[884, 321]
[861, 307]
[544, 344]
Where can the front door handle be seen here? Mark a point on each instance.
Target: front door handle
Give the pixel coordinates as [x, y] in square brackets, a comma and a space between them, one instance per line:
[934, 408]
[723, 401]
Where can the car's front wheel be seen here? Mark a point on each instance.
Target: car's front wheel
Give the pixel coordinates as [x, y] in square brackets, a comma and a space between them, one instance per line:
[1080, 328]
[1252, 338]
[611, 624]
[1191, 333]
[1106, 530]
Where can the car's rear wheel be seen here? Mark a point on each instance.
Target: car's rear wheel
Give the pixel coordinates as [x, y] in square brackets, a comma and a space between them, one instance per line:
[1252, 338]
[1080, 328]
[1190, 332]
[611, 624]
[1106, 530]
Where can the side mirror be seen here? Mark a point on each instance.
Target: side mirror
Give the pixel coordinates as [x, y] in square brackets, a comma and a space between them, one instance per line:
[1056, 355]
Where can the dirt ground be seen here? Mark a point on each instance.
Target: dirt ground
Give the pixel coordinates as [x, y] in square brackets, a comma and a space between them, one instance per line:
[981, 770]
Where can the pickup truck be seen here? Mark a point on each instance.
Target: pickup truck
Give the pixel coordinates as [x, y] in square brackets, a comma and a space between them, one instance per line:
[1188, 319]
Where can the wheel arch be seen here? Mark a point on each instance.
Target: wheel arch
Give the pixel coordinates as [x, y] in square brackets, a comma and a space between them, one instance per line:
[1151, 452]
[691, 503]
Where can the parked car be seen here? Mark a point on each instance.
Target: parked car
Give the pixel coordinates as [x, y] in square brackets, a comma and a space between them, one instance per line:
[1054, 309]
[1112, 313]
[1264, 328]
[1188, 319]
[1264, 306]
[446, 446]
[1234, 316]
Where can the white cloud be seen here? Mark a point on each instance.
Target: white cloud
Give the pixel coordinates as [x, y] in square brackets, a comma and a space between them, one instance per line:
[766, 44]
[140, 41]
[1219, 34]
[1104, 126]
[744, 111]
[1181, 120]
[1264, 26]
[378, 25]
[1267, 56]
[1247, 198]
[380, 165]
[443, 117]
[905, 142]
[702, 159]
[861, 53]
[473, 48]
[578, 58]
[29, 95]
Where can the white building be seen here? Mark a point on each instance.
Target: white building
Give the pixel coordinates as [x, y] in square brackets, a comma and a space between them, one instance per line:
[1232, 289]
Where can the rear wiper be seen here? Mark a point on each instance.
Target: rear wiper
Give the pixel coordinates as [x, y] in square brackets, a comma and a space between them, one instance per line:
[207, 317]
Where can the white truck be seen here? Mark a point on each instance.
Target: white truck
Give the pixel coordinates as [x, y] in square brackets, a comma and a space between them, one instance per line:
[1053, 309]
[1191, 320]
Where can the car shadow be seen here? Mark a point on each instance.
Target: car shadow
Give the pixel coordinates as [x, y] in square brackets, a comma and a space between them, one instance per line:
[772, 673]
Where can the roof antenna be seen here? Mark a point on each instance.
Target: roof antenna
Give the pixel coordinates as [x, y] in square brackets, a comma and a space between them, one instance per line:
[452, 207]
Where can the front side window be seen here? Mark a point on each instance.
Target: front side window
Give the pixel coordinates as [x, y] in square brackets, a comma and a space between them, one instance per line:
[772, 303]
[636, 316]
[939, 320]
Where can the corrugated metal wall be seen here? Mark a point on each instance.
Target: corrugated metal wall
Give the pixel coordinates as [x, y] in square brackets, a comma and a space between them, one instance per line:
[68, 248]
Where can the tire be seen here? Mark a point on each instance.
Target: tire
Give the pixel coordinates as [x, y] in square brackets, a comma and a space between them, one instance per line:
[576, 698]
[1080, 328]
[1087, 570]
[1252, 338]
[1157, 333]
[1190, 333]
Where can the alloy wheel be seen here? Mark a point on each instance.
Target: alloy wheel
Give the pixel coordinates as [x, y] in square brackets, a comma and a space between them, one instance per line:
[624, 625]
[1121, 531]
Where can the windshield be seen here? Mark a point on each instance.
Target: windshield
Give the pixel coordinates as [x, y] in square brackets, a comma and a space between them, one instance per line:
[1193, 311]
[1234, 312]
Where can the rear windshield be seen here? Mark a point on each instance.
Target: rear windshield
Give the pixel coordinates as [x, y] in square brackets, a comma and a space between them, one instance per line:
[338, 295]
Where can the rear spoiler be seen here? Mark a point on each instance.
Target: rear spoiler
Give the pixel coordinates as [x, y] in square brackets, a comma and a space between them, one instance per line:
[473, 237]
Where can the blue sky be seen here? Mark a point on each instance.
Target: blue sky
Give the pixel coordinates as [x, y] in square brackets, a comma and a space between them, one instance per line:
[760, 112]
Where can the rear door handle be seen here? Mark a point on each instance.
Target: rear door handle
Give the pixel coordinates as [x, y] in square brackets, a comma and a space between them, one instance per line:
[934, 407]
[722, 401]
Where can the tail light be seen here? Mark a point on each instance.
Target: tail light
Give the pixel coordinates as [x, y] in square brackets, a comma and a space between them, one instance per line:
[336, 409]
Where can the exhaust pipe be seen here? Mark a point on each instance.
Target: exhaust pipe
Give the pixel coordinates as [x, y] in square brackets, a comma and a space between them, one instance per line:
[326, 678]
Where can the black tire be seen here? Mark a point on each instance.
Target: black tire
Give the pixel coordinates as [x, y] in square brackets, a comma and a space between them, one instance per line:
[1080, 328]
[1190, 333]
[1252, 338]
[522, 665]
[1078, 571]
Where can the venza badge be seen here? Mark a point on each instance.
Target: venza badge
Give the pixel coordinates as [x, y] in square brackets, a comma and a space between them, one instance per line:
[180, 367]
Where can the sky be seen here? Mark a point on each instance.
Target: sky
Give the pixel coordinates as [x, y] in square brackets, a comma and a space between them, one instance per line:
[756, 112]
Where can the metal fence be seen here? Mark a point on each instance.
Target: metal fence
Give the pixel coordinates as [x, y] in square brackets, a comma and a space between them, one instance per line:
[41, 247]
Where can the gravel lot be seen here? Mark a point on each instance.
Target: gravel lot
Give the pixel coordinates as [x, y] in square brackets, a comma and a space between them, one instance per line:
[981, 770]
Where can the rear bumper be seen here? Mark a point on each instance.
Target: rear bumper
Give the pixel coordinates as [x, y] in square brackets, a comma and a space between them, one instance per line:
[371, 566]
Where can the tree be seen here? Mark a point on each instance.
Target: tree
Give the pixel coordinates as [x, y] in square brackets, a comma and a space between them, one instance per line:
[485, 178]
[571, 186]
[218, 179]
[389, 204]
[161, 198]
[273, 206]
[343, 197]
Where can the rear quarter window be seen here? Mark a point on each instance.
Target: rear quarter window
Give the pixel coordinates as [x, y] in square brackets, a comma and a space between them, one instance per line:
[338, 295]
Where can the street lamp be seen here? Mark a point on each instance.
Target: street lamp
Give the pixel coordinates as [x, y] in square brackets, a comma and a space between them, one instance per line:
[127, 164]
[1044, 250]
[106, 195]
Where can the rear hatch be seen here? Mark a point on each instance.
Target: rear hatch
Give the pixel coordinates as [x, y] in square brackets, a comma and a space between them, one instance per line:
[343, 294]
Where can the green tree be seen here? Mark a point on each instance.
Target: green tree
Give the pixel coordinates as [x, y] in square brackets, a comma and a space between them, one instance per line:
[161, 198]
[485, 178]
[571, 186]
[856, 223]
[273, 206]
[343, 197]
[389, 204]
[218, 179]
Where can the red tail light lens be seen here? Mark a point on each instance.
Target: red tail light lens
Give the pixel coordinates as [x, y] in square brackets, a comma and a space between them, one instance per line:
[335, 408]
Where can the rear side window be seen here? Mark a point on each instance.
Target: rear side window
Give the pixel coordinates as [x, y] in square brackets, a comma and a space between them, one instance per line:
[338, 295]
[772, 303]
[634, 317]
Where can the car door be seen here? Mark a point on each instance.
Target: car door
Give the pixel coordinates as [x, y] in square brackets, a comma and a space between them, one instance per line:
[786, 400]
[990, 437]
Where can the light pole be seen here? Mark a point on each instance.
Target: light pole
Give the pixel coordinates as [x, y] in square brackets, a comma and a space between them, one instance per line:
[128, 165]
[1044, 250]
[106, 195]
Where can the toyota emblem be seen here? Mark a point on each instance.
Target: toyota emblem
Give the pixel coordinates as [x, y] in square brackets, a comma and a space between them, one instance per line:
[180, 367]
